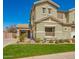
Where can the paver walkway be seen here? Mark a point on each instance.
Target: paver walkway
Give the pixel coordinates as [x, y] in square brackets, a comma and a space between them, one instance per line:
[66, 55]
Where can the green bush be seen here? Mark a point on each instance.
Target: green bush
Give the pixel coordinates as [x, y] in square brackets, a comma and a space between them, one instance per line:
[57, 41]
[38, 40]
[61, 41]
[51, 41]
[22, 37]
[67, 40]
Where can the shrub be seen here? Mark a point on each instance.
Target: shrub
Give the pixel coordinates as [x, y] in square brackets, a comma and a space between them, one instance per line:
[51, 41]
[57, 41]
[73, 40]
[61, 41]
[38, 40]
[67, 40]
[22, 37]
[44, 40]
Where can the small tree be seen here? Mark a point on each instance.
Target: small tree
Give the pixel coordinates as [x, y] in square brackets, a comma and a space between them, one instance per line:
[11, 29]
[22, 37]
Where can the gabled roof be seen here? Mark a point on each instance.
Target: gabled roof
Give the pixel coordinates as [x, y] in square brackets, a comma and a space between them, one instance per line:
[54, 19]
[49, 1]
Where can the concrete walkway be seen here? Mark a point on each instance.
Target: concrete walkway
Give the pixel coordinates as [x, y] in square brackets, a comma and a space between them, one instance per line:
[66, 55]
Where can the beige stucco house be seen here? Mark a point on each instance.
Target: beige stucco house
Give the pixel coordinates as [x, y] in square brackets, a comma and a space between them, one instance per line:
[47, 22]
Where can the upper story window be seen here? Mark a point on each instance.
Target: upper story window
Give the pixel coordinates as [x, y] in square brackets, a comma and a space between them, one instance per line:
[44, 10]
[60, 15]
[49, 10]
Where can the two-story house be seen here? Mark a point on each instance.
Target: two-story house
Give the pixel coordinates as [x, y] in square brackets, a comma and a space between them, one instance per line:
[47, 22]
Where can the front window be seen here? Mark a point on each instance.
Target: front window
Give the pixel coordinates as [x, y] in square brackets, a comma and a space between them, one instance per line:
[49, 10]
[50, 31]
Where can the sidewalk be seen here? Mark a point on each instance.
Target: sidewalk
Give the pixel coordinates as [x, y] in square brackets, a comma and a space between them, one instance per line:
[66, 55]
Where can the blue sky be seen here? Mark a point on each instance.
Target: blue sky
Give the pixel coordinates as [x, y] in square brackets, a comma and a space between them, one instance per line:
[18, 11]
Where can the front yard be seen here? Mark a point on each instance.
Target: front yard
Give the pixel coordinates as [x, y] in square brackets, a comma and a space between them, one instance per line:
[27, 50]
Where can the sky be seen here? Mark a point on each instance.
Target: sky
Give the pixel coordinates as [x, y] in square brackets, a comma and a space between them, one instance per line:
[18, 11]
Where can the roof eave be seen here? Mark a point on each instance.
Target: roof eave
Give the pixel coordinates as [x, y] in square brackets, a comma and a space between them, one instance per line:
[53, 3]
[64, 24]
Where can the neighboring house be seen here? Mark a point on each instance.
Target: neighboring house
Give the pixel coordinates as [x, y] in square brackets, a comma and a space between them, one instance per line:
[47, 22]
[23, 29]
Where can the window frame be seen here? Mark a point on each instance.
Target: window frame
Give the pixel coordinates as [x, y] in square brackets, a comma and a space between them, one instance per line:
[50, 31]
[43, 10]
[49, 10]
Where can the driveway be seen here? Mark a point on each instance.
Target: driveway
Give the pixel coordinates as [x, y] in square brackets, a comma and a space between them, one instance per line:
[66, 55]
[8, 41]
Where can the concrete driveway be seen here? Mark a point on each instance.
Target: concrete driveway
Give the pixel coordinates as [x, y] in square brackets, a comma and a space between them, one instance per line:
[8, 41]
[66, 55]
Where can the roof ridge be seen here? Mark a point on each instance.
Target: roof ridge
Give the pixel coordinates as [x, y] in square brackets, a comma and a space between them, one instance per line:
[52, 2]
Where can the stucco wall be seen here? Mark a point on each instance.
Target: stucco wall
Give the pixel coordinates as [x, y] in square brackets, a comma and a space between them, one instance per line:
[39, 11]
[66, 32]
[60, 32]
[72, 16]
[63, 15]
